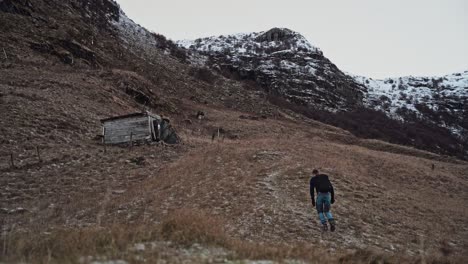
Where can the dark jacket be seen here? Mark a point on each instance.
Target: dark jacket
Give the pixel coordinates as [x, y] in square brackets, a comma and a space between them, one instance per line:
[321, 184]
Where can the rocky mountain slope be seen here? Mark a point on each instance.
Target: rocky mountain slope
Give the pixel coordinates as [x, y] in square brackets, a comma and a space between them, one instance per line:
[441, 100]
[285, 64]
[64, 198]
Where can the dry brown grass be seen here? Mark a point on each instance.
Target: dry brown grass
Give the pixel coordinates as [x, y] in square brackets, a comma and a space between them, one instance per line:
[184, 228]
[280, 252]
[187, 226]
[67, 246]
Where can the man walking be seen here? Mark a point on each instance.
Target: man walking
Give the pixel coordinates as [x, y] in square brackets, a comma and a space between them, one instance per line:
[325, 197]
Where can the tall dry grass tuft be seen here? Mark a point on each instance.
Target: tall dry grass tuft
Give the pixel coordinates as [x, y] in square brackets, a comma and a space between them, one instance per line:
[186, 227]
[67, 246]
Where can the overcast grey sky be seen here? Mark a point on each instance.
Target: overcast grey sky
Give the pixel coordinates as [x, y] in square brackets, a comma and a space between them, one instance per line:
[375, 38]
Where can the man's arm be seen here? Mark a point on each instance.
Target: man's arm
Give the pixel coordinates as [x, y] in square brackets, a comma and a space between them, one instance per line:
[332, 192]
[312, 187]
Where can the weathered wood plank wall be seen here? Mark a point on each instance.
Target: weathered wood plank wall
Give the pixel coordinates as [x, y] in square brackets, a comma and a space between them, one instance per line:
[119, 131]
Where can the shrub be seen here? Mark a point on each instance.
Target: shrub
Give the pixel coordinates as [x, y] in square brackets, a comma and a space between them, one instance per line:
[203, 74]
[167, 44]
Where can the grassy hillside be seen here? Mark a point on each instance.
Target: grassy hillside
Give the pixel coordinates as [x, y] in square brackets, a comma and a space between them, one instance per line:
[241, 197]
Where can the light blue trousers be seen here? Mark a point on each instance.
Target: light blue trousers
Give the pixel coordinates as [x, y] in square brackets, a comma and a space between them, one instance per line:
[323, 205]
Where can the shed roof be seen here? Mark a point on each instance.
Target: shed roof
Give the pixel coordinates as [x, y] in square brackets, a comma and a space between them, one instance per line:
[129, 115]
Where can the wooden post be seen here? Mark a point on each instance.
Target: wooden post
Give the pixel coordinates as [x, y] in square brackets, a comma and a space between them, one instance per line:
[422, 251]
[104, 139]
[12, 161]
[5, 243]
[38, 154]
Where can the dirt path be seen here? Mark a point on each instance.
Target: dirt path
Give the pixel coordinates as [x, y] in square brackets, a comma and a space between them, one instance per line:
[302, 216]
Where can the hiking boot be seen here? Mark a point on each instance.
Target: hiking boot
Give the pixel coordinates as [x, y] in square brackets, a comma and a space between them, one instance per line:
[332, 225]
[325, 227]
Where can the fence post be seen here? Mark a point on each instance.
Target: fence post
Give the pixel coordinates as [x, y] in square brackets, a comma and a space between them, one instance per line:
[12, 161]
[38, 154]
[104, 139]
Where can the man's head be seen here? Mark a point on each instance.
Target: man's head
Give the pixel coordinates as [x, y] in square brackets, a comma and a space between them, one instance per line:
[315, 172]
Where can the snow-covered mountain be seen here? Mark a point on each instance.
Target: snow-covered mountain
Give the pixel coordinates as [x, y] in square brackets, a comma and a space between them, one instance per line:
[261, 43]
[139, 40]
[284, 63]
[441, 100]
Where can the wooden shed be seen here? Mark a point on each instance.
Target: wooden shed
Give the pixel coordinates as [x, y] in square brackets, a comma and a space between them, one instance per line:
[138, 127]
